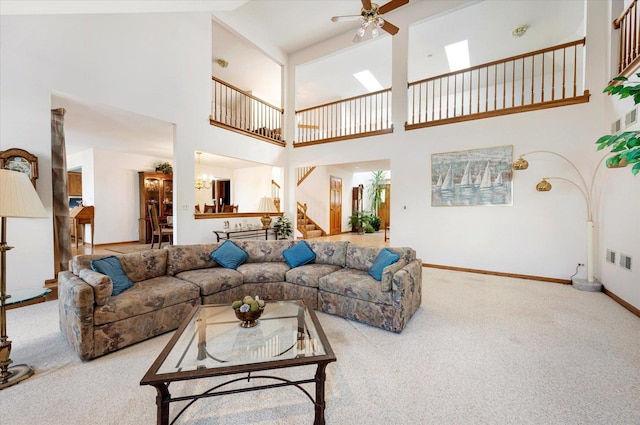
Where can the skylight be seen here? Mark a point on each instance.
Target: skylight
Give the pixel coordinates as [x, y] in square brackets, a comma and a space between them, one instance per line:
[458, 55]
[367, 79]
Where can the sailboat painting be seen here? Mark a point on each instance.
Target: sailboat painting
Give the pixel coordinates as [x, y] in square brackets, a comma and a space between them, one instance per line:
[472, 177]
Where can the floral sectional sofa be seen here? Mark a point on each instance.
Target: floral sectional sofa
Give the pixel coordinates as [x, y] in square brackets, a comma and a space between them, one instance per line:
[168, 283]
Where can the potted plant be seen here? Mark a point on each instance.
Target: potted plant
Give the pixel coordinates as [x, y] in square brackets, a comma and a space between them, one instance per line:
[164, 167]
[375, 190]
[283, 227]
[625, 146]
[374, 221]
[357, 221]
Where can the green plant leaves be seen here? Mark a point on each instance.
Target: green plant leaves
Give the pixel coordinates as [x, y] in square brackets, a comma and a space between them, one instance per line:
[625, 146]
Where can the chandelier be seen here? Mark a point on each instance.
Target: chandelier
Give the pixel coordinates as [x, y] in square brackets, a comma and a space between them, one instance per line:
[201, 181]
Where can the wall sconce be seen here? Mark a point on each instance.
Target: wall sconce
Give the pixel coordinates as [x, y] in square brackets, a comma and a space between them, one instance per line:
[223, 63]
[587, 192]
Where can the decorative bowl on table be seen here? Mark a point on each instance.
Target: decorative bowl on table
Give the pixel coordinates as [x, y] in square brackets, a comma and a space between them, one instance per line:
[248, 310]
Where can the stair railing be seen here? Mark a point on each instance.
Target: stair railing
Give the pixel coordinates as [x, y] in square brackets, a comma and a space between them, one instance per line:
[541, 79]
[629, 35]
[302, 208]
[275, 194]
[302, 173]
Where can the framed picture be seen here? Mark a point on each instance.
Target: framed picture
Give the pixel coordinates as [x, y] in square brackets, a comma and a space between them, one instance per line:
[472, 177]
[20, 160]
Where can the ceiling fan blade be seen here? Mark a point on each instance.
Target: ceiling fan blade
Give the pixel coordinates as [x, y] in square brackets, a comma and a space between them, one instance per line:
[366, 4]
[390, 28]
[346, 18]
[393, 4]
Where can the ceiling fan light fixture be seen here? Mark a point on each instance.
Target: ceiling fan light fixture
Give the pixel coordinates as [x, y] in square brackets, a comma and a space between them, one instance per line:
[375, 32]
[379, 22]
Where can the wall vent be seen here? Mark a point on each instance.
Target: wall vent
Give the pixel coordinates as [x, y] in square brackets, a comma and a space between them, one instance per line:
[611, 256]
[625, 261]
[631, 118]
[616, 126]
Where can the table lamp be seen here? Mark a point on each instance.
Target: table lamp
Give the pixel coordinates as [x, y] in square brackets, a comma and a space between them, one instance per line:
[266, 206]
[18, 198]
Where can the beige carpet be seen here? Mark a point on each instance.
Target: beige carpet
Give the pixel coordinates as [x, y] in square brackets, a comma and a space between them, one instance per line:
[481, 350]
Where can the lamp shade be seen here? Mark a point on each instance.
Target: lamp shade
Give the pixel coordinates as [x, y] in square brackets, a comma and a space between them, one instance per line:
[18, 197]
[266, 205]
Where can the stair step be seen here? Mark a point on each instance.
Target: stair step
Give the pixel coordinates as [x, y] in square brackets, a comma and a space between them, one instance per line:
[314, 233]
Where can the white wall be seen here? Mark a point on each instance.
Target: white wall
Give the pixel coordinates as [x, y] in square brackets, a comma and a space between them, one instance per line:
[158, 65]
[542, 234]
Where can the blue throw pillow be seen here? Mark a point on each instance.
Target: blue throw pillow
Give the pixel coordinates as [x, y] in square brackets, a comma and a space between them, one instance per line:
[229, 255]
[298, 255]
[385, 258]
[112, 267]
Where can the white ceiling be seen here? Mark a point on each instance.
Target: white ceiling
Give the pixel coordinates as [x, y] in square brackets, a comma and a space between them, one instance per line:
[293, 25]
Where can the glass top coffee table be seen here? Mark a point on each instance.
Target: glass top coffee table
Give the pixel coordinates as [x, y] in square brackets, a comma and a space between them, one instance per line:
[211, 343]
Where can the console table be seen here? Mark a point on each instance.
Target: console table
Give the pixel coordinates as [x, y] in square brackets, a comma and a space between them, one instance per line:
[245, 233]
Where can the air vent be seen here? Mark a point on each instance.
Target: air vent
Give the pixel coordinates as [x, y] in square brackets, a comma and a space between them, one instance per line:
[625, 261]
[611, 256]
[616, 126]
[631, 118]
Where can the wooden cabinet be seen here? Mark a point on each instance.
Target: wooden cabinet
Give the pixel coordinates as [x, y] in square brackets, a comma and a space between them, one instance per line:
[155, 188]
[74, 183]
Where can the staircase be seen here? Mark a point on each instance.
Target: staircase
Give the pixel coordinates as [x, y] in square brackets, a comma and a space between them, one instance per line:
[306, 226]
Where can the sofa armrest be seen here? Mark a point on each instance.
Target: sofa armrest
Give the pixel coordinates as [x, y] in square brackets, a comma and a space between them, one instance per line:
[389, 271]
[75, 305]
[407, 293]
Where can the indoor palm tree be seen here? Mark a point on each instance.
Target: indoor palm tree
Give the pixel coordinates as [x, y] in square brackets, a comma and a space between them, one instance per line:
[375, 190]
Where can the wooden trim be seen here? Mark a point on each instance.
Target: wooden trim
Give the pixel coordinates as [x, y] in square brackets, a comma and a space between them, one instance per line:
[622, 302]
[213, 122]
[208, 216]
[348, 99]
[340, 138]
[492, 273]
[507, 111]
[501, 61]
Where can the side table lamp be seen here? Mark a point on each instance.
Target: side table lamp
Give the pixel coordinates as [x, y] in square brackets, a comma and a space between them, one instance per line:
[18, 198]
[266, 206]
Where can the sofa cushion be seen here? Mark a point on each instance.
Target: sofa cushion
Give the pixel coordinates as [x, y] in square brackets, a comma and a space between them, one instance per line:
[111, 267]
[181, 258]
[361, 257]
[310, 274]
[229, 255]
[101, 284]
[298, 255]
[330, 252]
[358, 284]
[144, 297]
[213, 280]
[145, 264]
[263, 272]
[385, 258]
[262, 251]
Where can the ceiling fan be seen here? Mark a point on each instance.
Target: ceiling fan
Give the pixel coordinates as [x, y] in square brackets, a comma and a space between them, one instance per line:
[370, 16]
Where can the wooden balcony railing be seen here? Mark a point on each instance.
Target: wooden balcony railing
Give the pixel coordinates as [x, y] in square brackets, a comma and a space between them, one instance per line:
[542, 79]
[360, 116]
[237, 110]
[629, 35]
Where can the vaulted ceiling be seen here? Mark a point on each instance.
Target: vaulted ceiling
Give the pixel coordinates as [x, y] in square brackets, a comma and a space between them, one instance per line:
[289, 26]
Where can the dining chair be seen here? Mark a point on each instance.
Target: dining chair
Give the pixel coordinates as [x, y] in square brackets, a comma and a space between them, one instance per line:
[158, 231]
